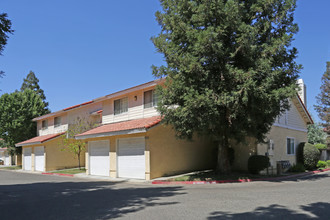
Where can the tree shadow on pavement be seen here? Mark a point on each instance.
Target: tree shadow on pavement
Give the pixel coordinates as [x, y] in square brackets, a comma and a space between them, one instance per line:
[79, 200]
[319, 210]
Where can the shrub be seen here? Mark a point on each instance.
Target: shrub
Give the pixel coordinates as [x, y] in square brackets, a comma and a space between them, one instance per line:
[311, 156]
[328, 163]
[321, 164]
[300, 153]
[299, 167]
[256, 163]
[321, 146]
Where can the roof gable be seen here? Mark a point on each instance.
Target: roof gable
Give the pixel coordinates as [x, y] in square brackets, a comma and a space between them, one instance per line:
[302, 110]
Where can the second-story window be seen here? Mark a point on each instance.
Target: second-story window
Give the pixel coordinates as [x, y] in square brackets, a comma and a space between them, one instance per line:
[44, 124]
[150, 99]
[120, 106]
[57, 122]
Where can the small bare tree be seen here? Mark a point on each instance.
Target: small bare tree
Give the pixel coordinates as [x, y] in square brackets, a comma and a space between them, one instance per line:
[69, 143]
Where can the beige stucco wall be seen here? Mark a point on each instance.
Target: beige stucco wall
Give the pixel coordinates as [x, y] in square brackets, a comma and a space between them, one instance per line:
[60, 159]
[279, 136]
[243, 151]
[55, 158]
[164, 153]
[169, 155]
[18, 160]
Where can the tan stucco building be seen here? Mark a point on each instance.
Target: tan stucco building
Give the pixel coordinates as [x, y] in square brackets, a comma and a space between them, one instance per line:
[131, 142]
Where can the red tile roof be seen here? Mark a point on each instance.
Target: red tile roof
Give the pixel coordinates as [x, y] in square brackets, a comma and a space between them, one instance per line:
[76, 106]
[122, 126]
[38, 139]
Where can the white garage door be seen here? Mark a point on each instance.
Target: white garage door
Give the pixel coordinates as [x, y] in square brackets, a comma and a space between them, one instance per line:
[27, 158]
[130, 158]
[39, 158]
[7, 159]
[99, 160]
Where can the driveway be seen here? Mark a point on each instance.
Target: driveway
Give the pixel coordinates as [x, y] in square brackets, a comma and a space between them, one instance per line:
[34, 196]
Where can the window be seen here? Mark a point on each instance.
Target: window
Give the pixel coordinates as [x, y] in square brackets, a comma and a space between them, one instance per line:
[150, 99]
[57, 121]
[290, 146]
[44, 124]
[120, 106]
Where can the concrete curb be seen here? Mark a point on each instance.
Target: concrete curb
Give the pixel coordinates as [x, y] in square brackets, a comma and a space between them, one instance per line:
[237, 181]
[58, 174]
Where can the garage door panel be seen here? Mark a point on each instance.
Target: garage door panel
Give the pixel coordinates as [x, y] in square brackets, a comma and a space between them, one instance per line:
[7, 159]
[27, 158]
[131, 158]
[99, 160]
[39, 158]
[131, 152]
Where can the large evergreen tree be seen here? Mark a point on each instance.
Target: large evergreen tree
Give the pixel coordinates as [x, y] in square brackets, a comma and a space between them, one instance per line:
[230, 67]
[323, 99]
[5, 30]
[16, 113]
[32, 82]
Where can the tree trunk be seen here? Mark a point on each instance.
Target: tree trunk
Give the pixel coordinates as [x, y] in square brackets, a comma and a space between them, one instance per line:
[223, 164]
[79, 160]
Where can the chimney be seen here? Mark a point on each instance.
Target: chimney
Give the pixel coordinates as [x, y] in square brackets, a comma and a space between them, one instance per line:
[302, 91]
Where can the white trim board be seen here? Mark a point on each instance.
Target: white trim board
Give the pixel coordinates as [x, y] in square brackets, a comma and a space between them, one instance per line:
[289, 127]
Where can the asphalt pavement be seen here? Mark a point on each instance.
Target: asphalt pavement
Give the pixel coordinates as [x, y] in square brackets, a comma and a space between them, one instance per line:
[35, 196]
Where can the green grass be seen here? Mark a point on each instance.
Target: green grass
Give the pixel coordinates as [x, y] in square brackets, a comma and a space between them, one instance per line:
[70, 171]
[11, 168]
[211, 176]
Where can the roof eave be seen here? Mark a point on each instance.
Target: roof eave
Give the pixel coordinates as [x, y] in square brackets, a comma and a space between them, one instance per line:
[308, 116]
[39, 142]
[27, 144]
[112, 133]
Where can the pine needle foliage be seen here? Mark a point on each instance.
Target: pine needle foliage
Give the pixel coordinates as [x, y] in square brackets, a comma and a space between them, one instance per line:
[323, 99]
[230, 68]
[32, 82]
[5, 30]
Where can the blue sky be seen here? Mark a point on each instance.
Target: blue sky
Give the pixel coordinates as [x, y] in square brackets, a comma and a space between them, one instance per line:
[81, 50]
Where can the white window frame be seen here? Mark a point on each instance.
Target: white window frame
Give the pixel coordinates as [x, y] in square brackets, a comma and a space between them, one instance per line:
[58, 124]
[294, 145]
[153, 99]
[122, 111]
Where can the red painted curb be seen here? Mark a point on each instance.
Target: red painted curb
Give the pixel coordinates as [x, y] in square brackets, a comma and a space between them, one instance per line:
[236, 181]
[58, 174]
